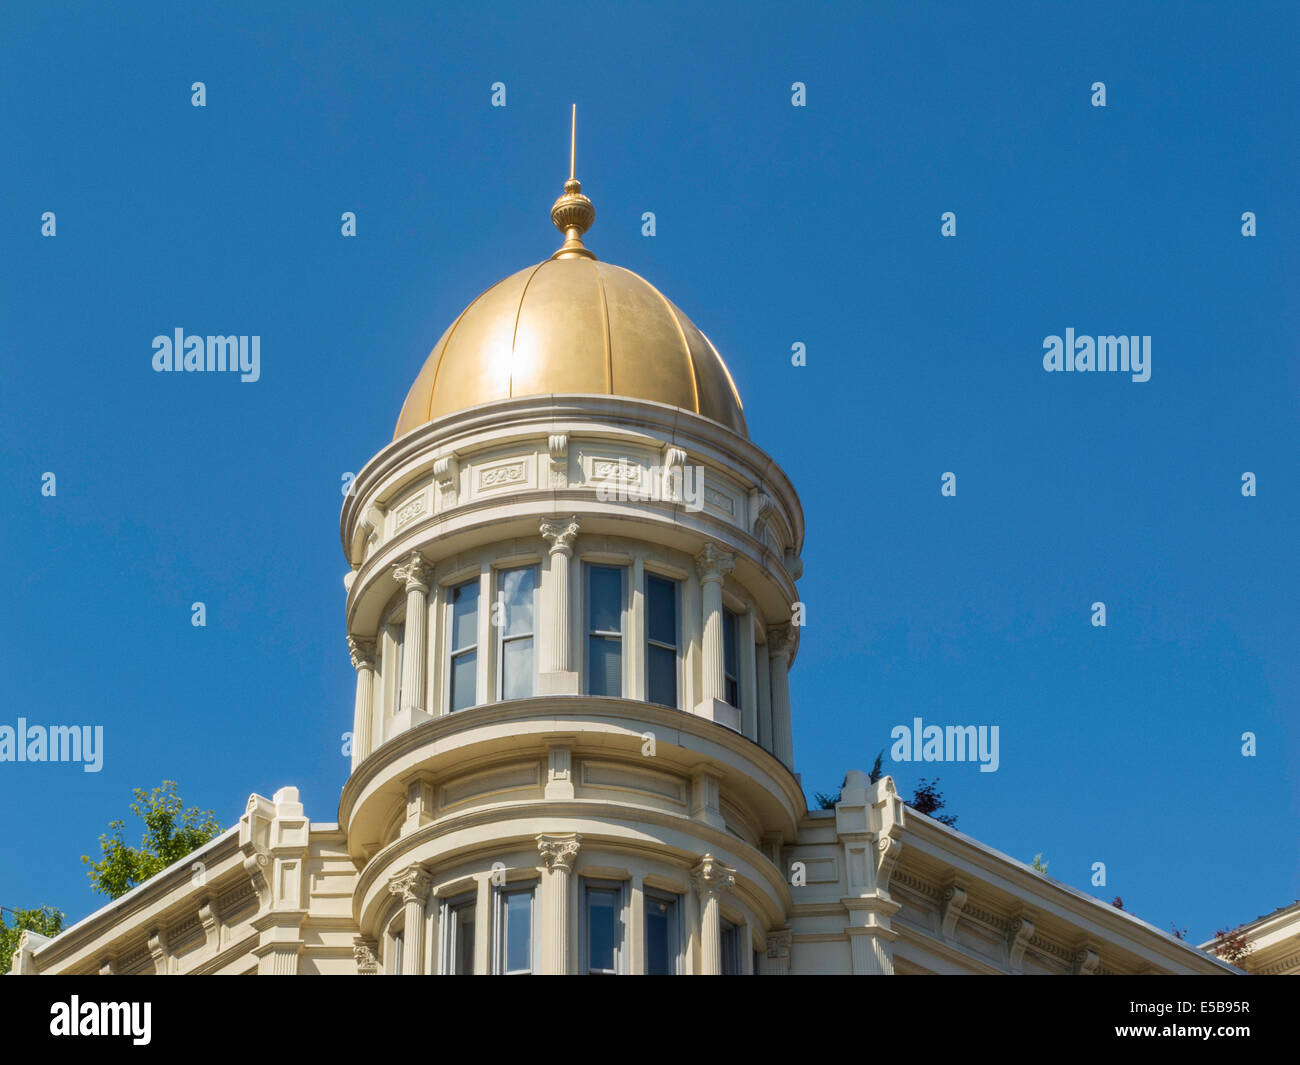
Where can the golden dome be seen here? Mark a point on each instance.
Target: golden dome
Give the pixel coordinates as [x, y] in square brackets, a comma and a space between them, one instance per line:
[572, 324]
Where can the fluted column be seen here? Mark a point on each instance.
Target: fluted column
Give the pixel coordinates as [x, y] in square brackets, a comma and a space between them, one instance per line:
[713, 564]
[711, 878]
[415, 573]
[780, 642]
[556, 674]
[558, 855]
[363, 661]
[412, 886]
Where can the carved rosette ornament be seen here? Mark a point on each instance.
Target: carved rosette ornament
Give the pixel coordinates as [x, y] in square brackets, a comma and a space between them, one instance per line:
[712, 877]
[415, 573]
[559, 852]
[560, 535]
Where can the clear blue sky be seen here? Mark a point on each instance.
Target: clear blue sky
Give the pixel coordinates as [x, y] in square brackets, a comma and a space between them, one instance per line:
[775, 225]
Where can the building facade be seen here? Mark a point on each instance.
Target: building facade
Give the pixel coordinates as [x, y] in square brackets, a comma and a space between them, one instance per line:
[572, 611]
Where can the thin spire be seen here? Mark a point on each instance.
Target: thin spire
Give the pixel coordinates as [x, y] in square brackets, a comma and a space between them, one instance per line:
[573, 214]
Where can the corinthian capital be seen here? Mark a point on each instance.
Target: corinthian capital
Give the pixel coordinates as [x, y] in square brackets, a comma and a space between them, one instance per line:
[714, 563]
[560, 534]
[412, 884]
[710, 876]
[780, 641]
[362, 652]
[414, 573]
[559, 852]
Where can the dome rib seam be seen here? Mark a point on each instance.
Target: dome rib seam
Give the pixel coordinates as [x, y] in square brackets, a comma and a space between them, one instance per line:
[605, 328]
[514, 333]
[433, 386]
[681, 335]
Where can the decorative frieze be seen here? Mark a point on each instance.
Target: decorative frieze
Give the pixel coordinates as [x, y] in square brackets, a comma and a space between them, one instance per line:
[409, 511]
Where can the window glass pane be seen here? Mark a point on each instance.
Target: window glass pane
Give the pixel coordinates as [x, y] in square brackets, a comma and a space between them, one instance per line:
[517, 591]
[464, 670]
[660, 925]
[605, 599]
[661, 675]
[602, 928]
[464, 615]
[730, 951]
[518, 932]
[661, 610]
[604, 666]
[517, 668]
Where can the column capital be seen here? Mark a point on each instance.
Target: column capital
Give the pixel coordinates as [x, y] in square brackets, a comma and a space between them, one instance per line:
[366, 954]
[779, 941]
[559, 852]
[415, 573]
[560, 534]
[714, 563]
[411, 884]
[712, 877]
[362, 652]
[780, 641]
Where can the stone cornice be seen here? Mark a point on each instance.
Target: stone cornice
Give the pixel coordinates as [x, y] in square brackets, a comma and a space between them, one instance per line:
[986, 873]
[124, 916]
[567, 707]
[543, 416]
[471, 518]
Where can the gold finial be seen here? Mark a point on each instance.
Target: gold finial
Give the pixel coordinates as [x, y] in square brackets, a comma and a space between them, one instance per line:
[573, 213]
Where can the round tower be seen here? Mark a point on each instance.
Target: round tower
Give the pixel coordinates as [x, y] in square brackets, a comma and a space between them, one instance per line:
[569, 608]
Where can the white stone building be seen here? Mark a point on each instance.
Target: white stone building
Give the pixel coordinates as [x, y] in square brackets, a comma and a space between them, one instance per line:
[570, 606]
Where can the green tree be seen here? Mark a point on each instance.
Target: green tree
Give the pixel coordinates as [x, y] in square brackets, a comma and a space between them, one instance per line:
[928, 799]
[170, 833]
[44, 919]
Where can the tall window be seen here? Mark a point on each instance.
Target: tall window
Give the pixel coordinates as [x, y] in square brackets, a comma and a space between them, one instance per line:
[661, 640]
[662, 934]
[730, 949]
[458, 936]
[731, 657]
[602, 915]
[514, 620]
[513, 930]
[605, 630]
[463, 645]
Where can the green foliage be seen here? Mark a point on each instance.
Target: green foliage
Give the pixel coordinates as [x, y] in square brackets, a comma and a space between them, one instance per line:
[928, 799]
[44, 919]
[1040, 866]
[876, 772]
[827, 802]
[171, 832]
